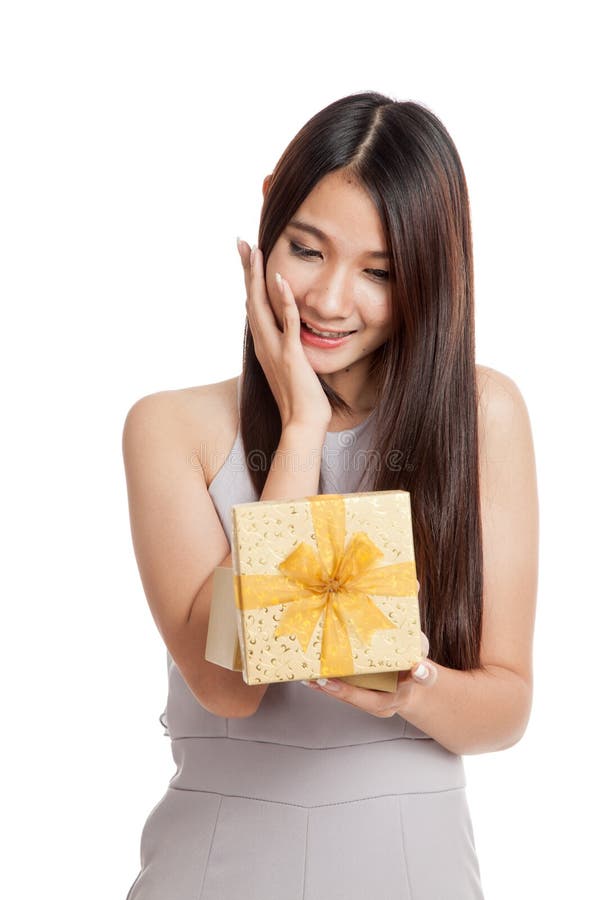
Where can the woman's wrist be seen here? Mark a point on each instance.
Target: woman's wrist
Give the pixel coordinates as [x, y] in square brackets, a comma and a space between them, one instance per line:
[307, 433]
[404, 696]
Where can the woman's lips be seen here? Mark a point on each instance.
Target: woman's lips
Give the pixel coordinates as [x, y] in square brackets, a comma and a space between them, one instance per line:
[307, 337]
[334, 331]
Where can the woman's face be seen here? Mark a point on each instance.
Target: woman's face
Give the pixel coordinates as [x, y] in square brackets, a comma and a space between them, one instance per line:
[340, 279]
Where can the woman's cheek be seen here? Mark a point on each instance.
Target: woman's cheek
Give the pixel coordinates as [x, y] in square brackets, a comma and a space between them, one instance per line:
[380, 308]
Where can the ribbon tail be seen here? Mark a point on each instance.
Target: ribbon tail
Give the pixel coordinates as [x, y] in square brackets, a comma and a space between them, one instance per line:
[336, 651]
[300, 618]
[363, 614]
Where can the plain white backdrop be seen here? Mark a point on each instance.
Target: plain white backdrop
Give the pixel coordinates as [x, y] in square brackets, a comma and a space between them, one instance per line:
[135, 138]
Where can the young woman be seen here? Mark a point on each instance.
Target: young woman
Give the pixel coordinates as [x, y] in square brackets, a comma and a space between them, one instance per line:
[304, 791]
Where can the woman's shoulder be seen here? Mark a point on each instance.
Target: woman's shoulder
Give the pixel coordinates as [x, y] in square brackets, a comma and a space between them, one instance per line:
[504, 426]
[496, 391]
[202, 420]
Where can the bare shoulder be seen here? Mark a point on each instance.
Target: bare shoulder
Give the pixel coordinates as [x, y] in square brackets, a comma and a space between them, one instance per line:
[504, 428]
[201, 420]
[495, 386]
[499, 397]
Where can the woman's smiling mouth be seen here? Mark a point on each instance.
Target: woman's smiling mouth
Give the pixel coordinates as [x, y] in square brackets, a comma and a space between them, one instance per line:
[325, 332]
[327, 339]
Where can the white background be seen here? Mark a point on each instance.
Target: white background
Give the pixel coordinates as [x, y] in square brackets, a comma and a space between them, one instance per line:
[135, 138]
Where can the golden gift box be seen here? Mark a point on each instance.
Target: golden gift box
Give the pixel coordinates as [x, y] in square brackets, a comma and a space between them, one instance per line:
[223, 646]
[323, 586]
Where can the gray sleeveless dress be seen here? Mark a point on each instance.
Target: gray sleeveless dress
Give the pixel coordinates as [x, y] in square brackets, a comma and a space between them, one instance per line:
[309, 798]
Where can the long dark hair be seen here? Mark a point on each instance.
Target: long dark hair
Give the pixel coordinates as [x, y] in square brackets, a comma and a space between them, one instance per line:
[426, 427]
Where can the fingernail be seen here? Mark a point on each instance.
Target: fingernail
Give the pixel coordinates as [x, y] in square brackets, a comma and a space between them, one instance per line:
[421, 671]
[330, 685]
[238, 241]
[305, 683]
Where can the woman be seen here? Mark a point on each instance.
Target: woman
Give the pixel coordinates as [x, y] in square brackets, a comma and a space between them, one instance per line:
[341, 791]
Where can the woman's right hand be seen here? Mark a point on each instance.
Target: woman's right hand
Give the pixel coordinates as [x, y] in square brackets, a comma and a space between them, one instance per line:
[293, 381]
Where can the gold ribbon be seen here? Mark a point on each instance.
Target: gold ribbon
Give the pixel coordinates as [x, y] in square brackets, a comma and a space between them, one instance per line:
[337, 579]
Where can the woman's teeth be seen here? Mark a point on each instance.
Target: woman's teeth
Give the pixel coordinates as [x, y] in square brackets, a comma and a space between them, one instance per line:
[332, 334]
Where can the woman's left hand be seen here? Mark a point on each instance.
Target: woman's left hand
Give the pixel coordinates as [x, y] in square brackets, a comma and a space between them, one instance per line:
[383, 704]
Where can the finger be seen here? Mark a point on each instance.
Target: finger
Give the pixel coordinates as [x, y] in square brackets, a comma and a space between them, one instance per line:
[424, 673]
[257, 277]
[372, 701]
[244, 252]
[258, 300]
[291, 318]
[261, 320]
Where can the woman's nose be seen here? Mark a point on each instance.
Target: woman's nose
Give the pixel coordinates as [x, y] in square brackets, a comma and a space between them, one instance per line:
[331, 297]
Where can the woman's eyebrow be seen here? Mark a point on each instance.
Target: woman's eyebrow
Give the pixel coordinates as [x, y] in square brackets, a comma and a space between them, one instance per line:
[316, 232]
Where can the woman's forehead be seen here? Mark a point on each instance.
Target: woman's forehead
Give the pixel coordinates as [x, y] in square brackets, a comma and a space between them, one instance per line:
[340, 211]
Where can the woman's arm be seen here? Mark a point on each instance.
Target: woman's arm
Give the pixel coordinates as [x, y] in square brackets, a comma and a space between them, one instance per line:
[477, 711]
[178, 537]
[486, 709]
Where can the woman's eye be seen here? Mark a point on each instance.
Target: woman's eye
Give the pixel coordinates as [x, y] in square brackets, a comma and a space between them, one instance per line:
[302, 251]
[296, 249]
[380, 273]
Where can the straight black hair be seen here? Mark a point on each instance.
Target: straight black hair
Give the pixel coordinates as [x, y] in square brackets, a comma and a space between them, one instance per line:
[426, 428]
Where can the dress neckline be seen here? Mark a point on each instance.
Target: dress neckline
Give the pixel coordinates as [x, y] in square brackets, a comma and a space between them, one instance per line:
[356, 429]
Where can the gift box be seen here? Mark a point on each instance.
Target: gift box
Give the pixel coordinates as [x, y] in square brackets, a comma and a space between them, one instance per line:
[223, 646]
[325, 586]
